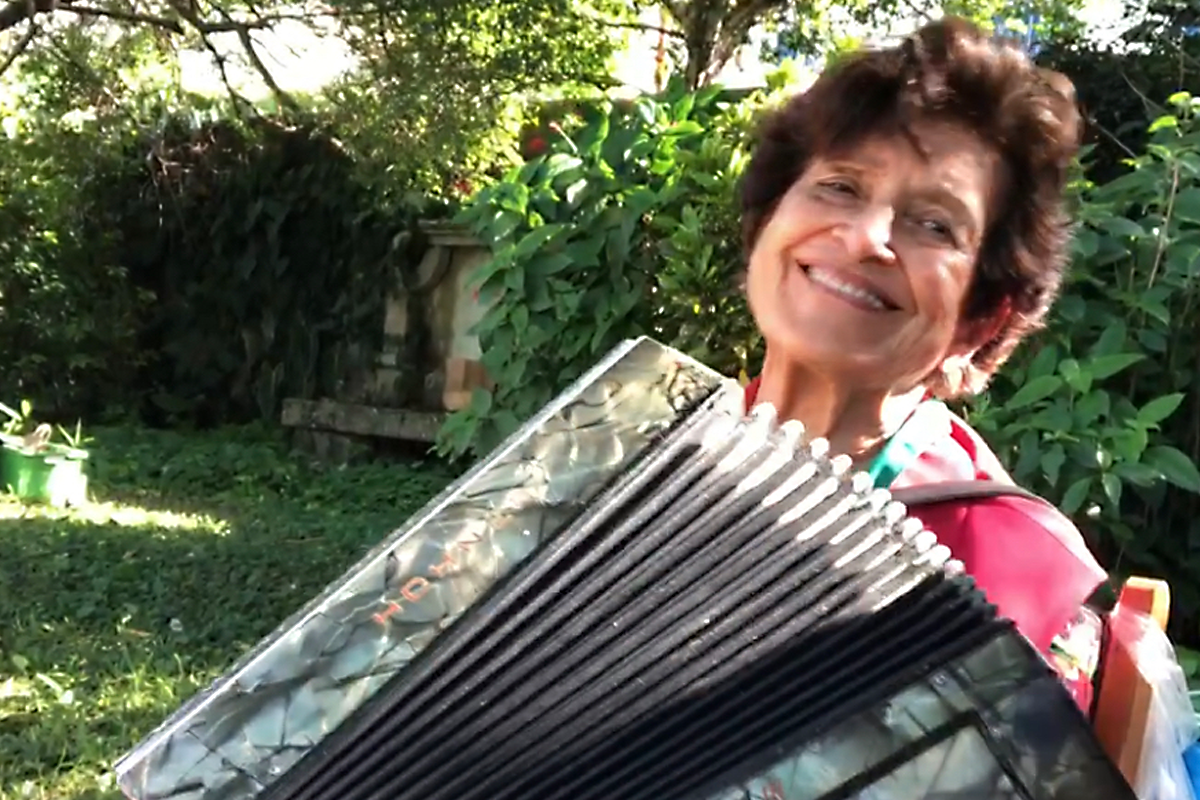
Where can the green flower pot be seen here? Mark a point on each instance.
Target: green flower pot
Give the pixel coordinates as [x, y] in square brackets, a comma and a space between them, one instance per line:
[55, 475]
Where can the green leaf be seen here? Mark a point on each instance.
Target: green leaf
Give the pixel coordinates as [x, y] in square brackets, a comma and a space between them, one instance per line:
[1159, 408]
[1165, 121]
[1037, 389]
[520, 319]
[1189, 661]
[1091, 407]
[1129, 443]
[641, 200]
[544, 266]
[1175, 466]
[1086, 243]
[1076, 495]
[1187, 205]
[1043, 363]
[1076, 378]
[481, 402]
[501, 225]
[514, 279]
[513, 198]
[1180, 100]
[590, 140]
[1102, 367]
[686, 128]
[536, 239]
[560, 163]
[1123, 227]
[1111, 340]
[1052, 461]
[1028, 460]
[1071, 308]
[1112, 488]
[1137, 474]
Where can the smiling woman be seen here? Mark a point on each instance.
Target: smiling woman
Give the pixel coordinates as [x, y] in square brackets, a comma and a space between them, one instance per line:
[905, 228]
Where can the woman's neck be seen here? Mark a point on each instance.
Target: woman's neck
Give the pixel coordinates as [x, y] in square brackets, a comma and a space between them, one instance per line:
[855, 422]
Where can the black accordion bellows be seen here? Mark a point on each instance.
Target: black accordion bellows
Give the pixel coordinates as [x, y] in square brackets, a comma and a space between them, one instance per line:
[733, 615]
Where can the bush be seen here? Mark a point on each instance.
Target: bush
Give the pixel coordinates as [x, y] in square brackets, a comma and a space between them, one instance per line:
[68, 313]
[268, 260]
[194, 270]
[1100, 412]
[626, 226]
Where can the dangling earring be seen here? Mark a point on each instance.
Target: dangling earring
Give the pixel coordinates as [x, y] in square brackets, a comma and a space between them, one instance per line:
[952, 375]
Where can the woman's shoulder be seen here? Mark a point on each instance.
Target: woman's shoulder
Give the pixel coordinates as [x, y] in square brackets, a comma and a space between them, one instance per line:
[1028, 557]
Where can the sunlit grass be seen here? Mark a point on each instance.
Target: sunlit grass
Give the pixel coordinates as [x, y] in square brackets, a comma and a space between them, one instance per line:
[115, 513]
[113, 615]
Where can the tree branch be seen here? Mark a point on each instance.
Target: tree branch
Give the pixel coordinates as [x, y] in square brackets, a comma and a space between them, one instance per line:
[636, 26]
[240, 103]
[124, 16]
[14, 12]
[17, 11]
[21, 46]
[283, 98]
[732, 31]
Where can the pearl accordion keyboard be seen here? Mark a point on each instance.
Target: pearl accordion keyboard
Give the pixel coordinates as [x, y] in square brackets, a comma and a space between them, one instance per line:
[644, 594]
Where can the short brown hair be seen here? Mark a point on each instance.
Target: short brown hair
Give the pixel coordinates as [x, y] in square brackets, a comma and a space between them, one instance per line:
[947, 71]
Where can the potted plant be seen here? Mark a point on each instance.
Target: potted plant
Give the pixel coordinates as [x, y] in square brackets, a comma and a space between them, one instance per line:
[35, 467]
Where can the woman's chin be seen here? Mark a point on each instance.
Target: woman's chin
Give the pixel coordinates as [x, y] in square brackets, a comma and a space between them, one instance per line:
[847, 363]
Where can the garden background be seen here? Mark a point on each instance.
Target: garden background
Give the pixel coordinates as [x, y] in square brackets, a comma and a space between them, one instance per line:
[179, 255]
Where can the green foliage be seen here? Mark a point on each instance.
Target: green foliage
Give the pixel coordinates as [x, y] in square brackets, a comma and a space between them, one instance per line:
[627, 226]
[270, 263]
[195, 260]
[436, 104]
[198, 270]
[114, 615]
[1099, 413]
[68, 313]
[1122, 82]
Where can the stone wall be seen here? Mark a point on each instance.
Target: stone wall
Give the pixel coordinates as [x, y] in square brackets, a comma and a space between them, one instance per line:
[448, 363]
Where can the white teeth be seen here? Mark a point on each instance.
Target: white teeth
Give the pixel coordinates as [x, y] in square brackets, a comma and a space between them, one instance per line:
[830, 282]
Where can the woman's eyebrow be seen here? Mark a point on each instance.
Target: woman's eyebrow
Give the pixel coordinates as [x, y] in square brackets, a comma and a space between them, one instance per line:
[949, 200]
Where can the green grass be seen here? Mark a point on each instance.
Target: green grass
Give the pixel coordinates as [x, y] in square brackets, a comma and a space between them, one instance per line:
[111, 616]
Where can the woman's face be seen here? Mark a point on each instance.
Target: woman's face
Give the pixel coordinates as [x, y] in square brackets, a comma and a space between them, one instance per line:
[862, 271]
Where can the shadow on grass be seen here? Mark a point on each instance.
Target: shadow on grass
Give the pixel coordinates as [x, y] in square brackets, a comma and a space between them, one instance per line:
[113, 616]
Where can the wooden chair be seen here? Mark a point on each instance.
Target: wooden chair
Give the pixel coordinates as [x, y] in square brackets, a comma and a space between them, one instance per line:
[1124, 694]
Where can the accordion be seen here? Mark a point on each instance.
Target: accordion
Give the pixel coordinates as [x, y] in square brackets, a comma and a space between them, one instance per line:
[644, 593]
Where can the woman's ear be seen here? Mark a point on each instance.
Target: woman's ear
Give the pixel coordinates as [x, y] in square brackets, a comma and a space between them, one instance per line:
[973, 334]
[956, 374]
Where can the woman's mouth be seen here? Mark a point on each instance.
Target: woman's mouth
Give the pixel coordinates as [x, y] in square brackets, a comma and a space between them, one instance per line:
[854, 292]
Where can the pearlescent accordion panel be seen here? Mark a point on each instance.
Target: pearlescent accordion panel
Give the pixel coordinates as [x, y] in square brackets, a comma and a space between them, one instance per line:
[330, 658]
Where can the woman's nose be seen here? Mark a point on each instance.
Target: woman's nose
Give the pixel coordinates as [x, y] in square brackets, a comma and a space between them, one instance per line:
[869, 233]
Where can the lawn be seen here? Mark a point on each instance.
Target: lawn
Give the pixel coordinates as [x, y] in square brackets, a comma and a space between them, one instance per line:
[111, 616]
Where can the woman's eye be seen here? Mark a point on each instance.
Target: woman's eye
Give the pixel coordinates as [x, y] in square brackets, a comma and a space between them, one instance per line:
[839, 187]
[937, 228]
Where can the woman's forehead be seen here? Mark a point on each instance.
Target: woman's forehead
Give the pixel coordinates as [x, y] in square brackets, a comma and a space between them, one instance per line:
[927, 139]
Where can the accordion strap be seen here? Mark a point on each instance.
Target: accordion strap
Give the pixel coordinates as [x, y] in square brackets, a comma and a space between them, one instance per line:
[950, 491]
[1027, 556]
